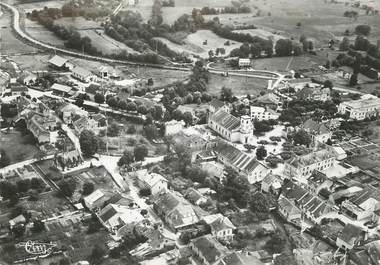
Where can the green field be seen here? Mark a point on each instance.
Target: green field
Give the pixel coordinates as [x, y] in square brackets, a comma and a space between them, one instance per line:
[239, 85]
[19, 146]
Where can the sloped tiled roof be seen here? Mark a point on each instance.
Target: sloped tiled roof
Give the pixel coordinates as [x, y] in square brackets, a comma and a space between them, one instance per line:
[226, 120]
[58, 61]
[237, 158]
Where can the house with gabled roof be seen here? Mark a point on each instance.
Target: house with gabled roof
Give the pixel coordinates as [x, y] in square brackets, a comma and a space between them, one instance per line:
[363, 204]
[153, 181]
[350, 237]
[195, 197]
[120, 219]
[289, 210]
[311, 205]
[208, 250]
[302, 166]
[175, 210]
[96, 199]
[216, 104]
[60, 63]
[319, 131]
[221, 227]
[83, 74]
[244, 164]
[271, 183]
[314, 92]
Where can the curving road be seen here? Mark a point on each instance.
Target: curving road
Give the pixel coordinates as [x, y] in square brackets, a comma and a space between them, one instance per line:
[16, 18]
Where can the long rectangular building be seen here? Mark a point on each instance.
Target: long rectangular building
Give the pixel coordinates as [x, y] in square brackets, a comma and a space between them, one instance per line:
[361, 108]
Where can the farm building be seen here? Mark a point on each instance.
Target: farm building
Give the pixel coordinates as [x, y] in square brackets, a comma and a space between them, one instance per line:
[83, 75]
[59, 63]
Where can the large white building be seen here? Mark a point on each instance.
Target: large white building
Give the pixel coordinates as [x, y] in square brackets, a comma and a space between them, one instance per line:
[263, 114]
[303, 166]
[230, 127]
[360, 109]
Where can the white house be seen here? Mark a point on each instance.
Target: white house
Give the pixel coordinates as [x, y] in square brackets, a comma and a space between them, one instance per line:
[221, 227]
[119, 219]
[244, 62]
[83, 75]
[303, 166]
[155, 182]
[361, 108]
[263, 114]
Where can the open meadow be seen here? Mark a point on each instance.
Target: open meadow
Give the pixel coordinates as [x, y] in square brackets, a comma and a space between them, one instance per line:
[200, 43]
[239, 85]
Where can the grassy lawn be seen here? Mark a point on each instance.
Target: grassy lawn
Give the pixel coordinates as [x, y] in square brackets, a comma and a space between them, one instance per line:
[239, 85]
[19, 145]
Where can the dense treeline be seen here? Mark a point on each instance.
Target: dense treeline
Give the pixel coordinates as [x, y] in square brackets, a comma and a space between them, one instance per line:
[226, 10]
[73, 40]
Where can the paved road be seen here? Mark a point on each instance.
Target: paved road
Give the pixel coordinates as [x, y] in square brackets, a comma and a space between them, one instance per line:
[16, 18]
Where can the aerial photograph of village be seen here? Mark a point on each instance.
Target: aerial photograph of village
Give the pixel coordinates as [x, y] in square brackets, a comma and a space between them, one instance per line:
[190, 132]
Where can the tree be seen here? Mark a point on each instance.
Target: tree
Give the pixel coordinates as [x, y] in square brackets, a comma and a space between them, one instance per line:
[275, 244]
[88, 188]
[188, 118]
[302, 137]
[67, 187]
[131, 106]
[328, 84]
[363, 30]
[353, 80]
[142, 109]
[131, 129]
[284, 47]
[345, 44]
[151, 131]
[99, 98]
[88, 143]
[226, 94]
[4, 159]
[140, 152]
[38, 226]
[126, 159]
[113, 129]
[261, 153]
[23, 185]
[258, 203]
[97, 255]
[37, 184]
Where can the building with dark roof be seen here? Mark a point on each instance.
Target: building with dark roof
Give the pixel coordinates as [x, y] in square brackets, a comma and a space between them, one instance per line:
[311, 205]
[314, 92]
[177, 212]
[208, 250]
[319, 131]
[244, 164]
[350, 237]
